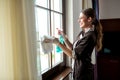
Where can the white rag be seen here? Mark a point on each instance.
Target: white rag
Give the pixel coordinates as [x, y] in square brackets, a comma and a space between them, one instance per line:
[46, 47]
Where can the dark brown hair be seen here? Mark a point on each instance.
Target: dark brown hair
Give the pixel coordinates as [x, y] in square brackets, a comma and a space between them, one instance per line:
[89, 12]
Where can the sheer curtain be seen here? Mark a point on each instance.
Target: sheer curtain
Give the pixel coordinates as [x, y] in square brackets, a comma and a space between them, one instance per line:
[17, 40]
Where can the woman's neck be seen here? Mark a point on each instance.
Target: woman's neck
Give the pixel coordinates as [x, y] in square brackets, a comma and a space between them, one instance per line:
[86, 29]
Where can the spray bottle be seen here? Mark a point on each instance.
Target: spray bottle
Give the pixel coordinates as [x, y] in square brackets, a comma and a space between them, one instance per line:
[61, 40]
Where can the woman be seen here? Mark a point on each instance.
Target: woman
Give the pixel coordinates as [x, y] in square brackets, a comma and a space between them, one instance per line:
[89, 38]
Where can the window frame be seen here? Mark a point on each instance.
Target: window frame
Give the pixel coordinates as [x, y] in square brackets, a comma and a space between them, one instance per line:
[54, 70]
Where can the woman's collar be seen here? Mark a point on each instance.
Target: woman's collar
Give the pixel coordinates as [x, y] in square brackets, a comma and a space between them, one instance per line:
[89, 29]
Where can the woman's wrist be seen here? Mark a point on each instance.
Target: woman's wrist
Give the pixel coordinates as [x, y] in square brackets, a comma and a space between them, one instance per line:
[58, 43]
[66, 39]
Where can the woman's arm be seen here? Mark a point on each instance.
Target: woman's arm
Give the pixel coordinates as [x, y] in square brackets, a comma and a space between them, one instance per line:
[67, 51]
[68, 44]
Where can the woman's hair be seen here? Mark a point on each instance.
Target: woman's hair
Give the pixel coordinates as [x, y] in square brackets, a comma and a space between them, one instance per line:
[91, 13]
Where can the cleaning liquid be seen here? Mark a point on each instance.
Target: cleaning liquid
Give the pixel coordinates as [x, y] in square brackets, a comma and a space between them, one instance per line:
[61, 40]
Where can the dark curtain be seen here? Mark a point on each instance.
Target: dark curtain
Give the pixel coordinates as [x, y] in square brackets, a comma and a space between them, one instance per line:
[95, 5]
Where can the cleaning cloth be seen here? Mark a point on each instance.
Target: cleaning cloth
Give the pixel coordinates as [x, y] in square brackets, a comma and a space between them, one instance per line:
[46, 47]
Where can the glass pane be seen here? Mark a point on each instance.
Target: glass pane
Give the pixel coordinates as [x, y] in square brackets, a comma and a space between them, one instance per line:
[38, 59]
[56, 22]
[43, 3]
[42, 28]
[45, 62]
[56, 57]
[42, 22]
[56, 5]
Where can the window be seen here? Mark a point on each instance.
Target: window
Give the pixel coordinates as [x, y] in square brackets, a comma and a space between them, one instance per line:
[49, 16]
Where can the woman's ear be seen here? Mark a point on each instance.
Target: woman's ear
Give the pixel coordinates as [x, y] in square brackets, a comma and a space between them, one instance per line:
[89, 19]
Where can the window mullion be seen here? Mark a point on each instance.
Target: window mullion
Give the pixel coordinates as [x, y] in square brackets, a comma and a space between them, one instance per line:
[50, 30]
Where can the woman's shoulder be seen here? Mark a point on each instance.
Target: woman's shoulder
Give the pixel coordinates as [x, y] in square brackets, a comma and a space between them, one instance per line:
[90, 34]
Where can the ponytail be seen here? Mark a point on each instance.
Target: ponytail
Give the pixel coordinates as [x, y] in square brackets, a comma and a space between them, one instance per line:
[91, 13]
[98, 27]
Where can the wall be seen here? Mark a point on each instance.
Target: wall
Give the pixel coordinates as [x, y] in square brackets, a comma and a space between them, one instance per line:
[108, 61]
[73, 8]
[77, 7]
[109, 9]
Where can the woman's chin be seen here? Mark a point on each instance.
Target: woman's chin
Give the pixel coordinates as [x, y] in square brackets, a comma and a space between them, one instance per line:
[81, 26]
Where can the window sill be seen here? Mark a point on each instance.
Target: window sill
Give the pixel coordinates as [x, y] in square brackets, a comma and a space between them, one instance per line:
[63, 74]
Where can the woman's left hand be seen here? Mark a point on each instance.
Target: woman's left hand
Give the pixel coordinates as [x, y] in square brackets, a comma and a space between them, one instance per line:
[54, 40]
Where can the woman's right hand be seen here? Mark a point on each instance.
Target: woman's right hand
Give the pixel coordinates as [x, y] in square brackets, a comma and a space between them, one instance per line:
[60, 32]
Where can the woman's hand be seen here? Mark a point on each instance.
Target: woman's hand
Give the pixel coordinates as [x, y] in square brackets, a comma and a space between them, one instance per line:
[48, 40]
[60, 32]
[54, 40]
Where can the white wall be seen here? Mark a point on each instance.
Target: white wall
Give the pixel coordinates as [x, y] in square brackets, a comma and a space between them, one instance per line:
[73, 8]
[77, 7]
[109, 9]
[69, 19]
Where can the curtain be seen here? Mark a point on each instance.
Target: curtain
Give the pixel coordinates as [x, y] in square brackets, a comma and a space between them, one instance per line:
[95, 4]
[86, 4]
[17, 40]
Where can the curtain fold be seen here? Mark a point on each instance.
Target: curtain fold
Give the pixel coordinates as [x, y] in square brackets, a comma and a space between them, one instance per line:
[18, 40]
[6, 57]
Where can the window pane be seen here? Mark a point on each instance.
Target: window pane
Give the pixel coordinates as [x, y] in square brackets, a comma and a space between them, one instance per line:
[47, 21]
[56, 22]
[42, 22]
[42, 28]
[56, 5]
[45, 62]
[43, 3]
[56, 57]
[38, 59]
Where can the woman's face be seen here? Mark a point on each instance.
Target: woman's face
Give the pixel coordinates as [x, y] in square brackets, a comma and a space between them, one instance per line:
[84, 21]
